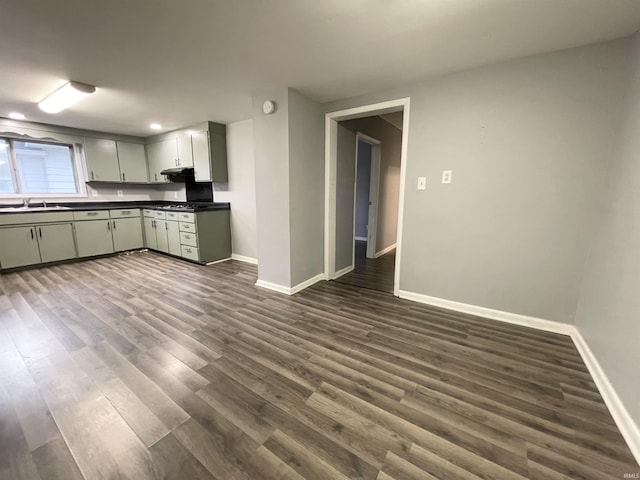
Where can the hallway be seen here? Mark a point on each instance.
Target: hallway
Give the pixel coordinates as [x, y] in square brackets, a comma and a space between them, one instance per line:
[371, 273]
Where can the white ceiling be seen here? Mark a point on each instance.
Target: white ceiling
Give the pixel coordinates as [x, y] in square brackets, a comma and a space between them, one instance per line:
[184, 61]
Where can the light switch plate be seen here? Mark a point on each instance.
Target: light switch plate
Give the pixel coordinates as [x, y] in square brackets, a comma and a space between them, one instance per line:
[175, 194]
[120, 193]
[446, 176]
[422, 183]
[94, 193]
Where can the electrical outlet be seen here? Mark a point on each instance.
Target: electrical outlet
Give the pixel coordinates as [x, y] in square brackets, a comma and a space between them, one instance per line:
[446, 176]
[422, 183]
[175, 194]
[94, 193]
[120, 193]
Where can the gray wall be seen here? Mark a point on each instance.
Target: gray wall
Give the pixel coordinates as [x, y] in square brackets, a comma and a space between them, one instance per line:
[528, 142]
[240, 191]
[389, 183]
[363, 184]
[609, 303]
[345, 179]
[306, 189]
[271, 153]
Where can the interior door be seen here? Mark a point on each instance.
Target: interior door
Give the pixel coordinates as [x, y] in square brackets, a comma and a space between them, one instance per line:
[345, 195]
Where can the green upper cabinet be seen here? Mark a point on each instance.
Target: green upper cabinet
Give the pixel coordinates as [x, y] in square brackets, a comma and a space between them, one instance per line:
[132, 161]
[101, 156]
[210, 154]
[161, 155]
[185, 150]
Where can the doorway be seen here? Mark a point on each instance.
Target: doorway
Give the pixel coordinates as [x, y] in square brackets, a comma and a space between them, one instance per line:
[341, 225]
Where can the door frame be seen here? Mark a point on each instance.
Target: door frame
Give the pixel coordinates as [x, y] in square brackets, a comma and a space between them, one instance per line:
[374, 185]
[331, 164]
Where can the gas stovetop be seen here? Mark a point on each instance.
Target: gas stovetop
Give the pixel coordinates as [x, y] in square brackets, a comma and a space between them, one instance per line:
[185, 206]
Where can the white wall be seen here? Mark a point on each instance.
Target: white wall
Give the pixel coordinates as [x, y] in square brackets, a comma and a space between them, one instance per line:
[528, 142]
[240, 191]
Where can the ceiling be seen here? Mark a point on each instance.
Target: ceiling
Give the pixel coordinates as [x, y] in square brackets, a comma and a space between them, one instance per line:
[182, 62]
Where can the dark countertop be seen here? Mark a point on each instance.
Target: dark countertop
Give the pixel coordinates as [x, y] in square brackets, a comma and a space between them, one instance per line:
[80, 206]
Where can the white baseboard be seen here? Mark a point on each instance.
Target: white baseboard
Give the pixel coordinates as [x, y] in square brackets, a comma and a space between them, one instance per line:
[242, 258]
[274, 286]
[290, 290]
[630, 431]
[385, 250]
[342, 272]
[307, 283]
[218, 261]
[514, 318]
[628, 428]
[363, 239]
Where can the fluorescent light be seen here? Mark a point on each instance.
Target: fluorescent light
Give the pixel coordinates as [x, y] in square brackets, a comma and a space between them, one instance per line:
[155, 126]
[16, 116]
[65, 96]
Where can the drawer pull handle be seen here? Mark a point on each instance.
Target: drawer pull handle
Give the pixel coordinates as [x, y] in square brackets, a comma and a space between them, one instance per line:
[92, 214]
[126, 212]
[188, 250]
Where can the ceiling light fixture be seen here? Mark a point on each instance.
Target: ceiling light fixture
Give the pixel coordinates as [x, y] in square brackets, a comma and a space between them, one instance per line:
[155, 126]
[70, 93]
[16, 116]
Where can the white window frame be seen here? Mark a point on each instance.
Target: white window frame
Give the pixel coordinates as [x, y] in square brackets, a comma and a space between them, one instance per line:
[76, 160]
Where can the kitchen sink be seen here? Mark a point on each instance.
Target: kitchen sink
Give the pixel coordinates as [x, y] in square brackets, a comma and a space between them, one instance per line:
[32, 209]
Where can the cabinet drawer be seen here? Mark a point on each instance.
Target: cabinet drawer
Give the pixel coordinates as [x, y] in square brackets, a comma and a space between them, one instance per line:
[172, 216]
[125, 213]
[190, 252]
[187, 217]
[189, 239]
[187, 227]
[159, 214]
[91, 215]
[147, 212]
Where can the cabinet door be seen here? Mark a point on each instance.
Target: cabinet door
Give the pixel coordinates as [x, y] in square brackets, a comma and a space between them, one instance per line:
[127, 233]
[56, 242]
[102, 159]
[18, 247]
[133, 163]
[173, 237]
[185, 151]
[201, 158]
[161, 236]
[94, 238]
[150, 240]
[161, 155]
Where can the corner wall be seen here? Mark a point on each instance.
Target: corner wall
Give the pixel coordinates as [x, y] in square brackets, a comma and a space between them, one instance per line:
[607, 315]
[528, 142]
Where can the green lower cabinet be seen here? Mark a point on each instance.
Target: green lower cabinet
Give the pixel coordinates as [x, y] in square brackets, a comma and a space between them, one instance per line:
[150, 240]
[56, 242]
[173, 238]
[94, 238]
[127, 234]
[161, 236]
[18, 247]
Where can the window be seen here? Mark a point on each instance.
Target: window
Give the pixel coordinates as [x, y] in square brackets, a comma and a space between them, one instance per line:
[37, 168]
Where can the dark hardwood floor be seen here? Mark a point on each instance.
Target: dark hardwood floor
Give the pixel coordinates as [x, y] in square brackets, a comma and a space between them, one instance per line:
[146, 367]
[372, 273]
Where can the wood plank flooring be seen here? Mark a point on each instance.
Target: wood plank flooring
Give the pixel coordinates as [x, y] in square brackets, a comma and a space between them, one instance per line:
[373, 273]
[146, 367]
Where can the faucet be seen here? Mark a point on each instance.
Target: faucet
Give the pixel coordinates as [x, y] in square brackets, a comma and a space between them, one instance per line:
[44, 203]
[26, 202]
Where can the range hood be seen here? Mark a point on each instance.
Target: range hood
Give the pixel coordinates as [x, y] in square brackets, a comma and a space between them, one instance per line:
[179, 174]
